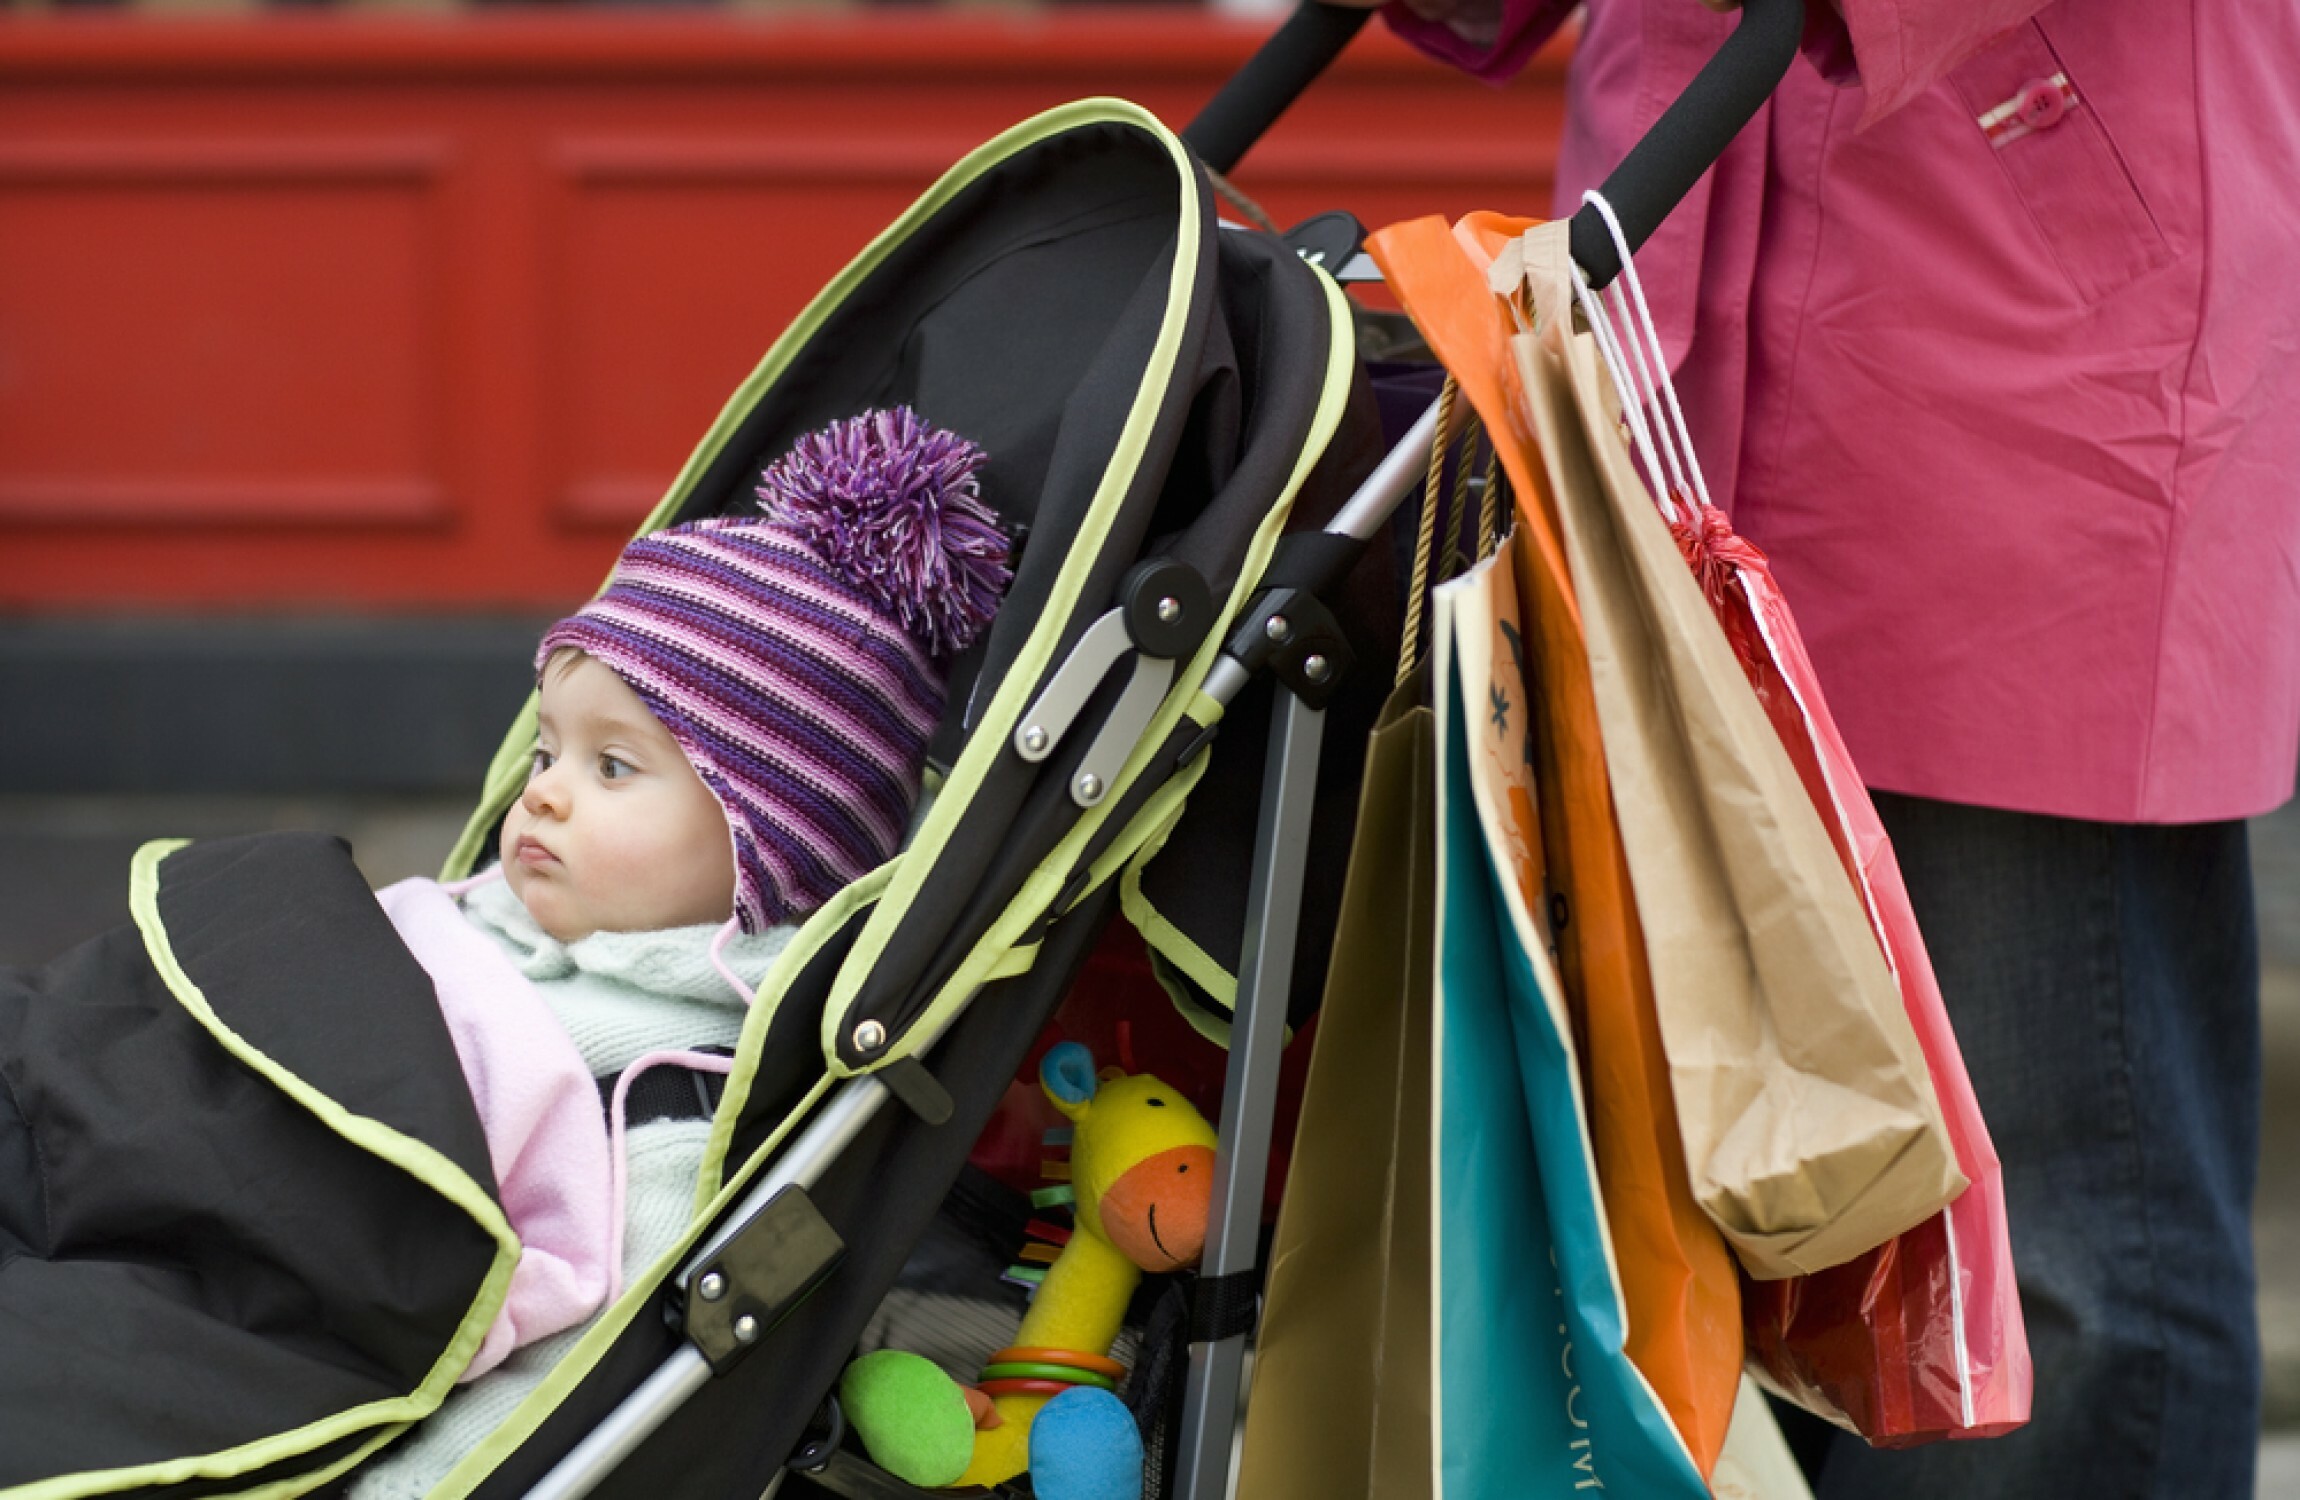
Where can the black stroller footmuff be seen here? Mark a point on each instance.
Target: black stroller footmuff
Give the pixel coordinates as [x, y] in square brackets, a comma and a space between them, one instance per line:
[247, 1222]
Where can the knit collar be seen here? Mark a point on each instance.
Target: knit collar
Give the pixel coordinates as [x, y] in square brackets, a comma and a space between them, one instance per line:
[672, 961]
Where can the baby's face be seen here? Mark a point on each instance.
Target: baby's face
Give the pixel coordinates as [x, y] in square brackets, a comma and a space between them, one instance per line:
[615, 831]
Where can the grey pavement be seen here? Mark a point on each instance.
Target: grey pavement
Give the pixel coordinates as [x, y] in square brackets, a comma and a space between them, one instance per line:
[63, 877]
[2279, 1467]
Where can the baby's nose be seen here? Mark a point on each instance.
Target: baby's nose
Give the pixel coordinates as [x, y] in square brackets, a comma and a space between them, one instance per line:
[543, 794]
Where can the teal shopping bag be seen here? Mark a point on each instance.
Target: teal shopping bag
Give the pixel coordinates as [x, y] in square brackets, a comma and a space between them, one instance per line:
[1533, 1398]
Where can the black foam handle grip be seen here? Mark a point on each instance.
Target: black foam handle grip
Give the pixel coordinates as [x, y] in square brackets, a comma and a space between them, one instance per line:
[1687, 140]
[1272, 79]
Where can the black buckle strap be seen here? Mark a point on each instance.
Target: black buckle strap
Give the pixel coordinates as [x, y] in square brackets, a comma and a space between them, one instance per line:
[1223, 1307]
[667, 1091]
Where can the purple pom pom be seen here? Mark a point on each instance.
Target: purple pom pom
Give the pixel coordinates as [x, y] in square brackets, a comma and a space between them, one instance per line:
[891, 502]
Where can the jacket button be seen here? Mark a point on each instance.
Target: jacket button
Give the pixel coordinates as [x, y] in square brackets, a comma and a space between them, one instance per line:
[2042, 104]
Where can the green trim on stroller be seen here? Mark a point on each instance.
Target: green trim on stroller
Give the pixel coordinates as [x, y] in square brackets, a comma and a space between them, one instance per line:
[988, 742]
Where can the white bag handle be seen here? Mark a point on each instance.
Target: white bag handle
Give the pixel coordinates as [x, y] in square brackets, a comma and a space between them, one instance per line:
[1653, 385]
[1659, 473]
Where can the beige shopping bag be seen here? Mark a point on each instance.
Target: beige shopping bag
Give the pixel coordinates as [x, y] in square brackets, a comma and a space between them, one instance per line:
[1810, 1123]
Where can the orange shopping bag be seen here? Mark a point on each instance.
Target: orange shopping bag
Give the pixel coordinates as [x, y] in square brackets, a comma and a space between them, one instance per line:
[1677, 1277]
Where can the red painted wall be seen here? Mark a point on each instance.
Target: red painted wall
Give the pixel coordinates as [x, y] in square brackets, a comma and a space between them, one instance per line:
[333, 312]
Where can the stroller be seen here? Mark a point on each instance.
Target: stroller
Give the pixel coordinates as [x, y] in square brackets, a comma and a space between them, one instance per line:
[1185, 446]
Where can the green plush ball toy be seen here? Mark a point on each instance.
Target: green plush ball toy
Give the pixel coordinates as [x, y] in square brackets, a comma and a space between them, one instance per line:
[913, 1417]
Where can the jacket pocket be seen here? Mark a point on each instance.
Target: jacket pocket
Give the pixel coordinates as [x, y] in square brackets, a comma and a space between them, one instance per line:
[2054, 147]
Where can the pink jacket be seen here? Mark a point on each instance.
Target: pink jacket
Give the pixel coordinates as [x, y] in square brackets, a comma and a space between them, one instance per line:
[1994, 347]
[546, 1135]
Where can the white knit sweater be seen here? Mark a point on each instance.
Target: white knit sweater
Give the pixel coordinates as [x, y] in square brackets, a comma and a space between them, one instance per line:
[620, 995]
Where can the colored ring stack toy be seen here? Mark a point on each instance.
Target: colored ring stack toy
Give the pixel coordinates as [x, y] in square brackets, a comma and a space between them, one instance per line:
[1023, 1387]
[1048, 1372]
[1015, 1370]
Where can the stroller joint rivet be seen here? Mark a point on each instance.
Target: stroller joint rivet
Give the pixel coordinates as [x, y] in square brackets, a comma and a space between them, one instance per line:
[764, 1272]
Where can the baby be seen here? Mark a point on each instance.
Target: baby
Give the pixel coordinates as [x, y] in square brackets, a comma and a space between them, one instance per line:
[732, 732]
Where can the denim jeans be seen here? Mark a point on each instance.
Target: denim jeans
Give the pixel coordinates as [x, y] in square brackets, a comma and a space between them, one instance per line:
[2104, 981]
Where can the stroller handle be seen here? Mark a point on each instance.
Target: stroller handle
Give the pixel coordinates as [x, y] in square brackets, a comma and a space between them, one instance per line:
[1689, 137]
[1288, 62]
[1656, 175]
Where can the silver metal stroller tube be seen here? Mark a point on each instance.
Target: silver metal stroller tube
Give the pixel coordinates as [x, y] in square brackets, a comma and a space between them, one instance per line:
[686, 1371]
[1213, 1396]
[1407, 462]
[1210, 1402]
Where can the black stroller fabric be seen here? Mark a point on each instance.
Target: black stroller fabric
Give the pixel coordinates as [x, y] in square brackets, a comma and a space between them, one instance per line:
[199, 1253]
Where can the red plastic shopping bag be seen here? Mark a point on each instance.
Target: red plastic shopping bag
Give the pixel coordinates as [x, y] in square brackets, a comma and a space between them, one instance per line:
[1920, 1338]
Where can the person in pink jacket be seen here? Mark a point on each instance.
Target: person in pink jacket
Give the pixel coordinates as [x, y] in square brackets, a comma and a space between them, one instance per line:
[1987, 334]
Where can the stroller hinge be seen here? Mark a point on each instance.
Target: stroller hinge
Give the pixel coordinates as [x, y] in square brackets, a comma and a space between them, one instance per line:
[1164, 611]
[1290, 632]
[759, 1277]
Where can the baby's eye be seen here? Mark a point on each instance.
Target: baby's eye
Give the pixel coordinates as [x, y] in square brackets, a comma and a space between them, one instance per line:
[613, 768]
[539, 762]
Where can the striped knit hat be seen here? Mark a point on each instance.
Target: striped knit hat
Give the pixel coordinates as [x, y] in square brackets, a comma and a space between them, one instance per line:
[798, 657]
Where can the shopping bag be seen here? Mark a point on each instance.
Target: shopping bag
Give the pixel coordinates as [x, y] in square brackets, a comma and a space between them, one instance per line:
[1809, 1114]
[1677, 1279]
[1533, 1393]
[1340, 1397]
[1921, 1337]
[1757, 1463]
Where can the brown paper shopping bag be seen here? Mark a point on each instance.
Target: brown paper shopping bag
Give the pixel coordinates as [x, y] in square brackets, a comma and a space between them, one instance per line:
[1810, 1121]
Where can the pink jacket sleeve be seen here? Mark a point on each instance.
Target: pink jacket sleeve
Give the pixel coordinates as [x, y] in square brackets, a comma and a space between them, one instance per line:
[546, 1132]
[1495, 37]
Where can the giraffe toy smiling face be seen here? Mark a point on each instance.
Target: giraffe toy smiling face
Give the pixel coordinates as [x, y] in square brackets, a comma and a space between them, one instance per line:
[1142, 1161]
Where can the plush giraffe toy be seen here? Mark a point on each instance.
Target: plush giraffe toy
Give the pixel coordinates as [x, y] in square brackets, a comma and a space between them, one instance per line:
[1142, 1169]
